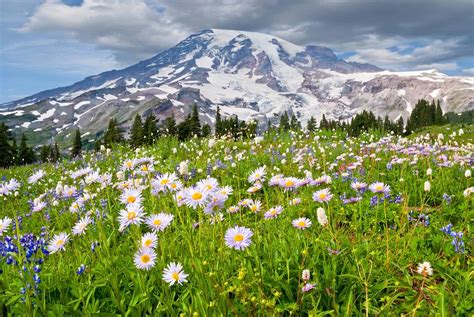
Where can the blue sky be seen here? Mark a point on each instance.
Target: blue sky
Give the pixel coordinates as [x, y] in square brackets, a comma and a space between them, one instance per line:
[52, 43]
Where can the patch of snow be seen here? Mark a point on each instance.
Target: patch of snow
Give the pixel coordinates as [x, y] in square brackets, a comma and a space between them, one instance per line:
[37, 130]
[110, 97]
[139, 98]
[36, 113]
[63, 113]
[434, 93]
[46, 115]
[26, 124]
[80, 104]
[401, 92]
[125, 99]
[17, 113]
[204, 62]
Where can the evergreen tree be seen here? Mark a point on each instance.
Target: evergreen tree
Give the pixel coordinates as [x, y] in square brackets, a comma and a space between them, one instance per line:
[194, 123]
[6, 150]
[387, 124]
[56, 153]
[77, 145]
[400, 125]
[294, 123]
[324, 124]
[284, 122]
[150, 130]
[136, 132]
[218, 125]
[206, 130]
[311, 125]
[113, 134]
[439, 119]
[45, 153]
[184, 129]
[25, 153]
[14, 152]
[170, 126]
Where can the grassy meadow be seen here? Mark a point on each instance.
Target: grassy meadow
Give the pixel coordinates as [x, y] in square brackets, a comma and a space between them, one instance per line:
[299, 224]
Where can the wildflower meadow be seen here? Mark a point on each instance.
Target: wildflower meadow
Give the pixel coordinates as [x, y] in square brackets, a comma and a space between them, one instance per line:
[288, 223]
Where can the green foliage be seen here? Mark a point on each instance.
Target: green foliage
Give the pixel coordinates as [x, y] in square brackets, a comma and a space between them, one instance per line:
[150, 130]
[113, 134]
[26, 155]
[6, 149]
[77, 145]
[136, 132]
[373, 272]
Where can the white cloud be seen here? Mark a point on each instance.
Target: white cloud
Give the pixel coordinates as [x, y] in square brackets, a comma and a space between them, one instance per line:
[468, 71]
[390, 59]
[120, 26]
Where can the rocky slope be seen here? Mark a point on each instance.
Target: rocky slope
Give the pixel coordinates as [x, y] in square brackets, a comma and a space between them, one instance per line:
[252, 75]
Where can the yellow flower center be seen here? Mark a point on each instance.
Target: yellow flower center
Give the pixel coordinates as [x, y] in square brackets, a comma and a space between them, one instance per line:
[145, 258]
[175, 276]
[60, 242]
[238, 237]
[301, 224]
[131, 215]
[164, 181]
[253, 208]
[208, 186]
[196, 196]
[131, 199]
[129, 164]
[174, 185]
[322, 196]
[378, 187]
[145, 168]
[289, 183]
[157, 222]
[148, 242]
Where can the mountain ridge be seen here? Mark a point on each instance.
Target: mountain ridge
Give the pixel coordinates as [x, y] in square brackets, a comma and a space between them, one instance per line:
[249, 74]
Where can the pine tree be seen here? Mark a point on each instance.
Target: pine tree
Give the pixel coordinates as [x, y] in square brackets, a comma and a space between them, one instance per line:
[439, 119]
[218, 125]
[136, 132]
[400, 125]
[113, 134]
[6, 150]
[25, 153]
[77, 145]
[56, 153]
[324, 124]
[206, 130]
[14, 152]
[284, 122]
[311, 125]
[194, 123]
[150, 130]
[170, 126]
[184, 129]
[294, 123]
[45, 153]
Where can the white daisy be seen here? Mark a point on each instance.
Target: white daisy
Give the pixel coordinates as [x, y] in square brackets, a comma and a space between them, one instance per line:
[174, 274]
[58, 242]
[145, 259]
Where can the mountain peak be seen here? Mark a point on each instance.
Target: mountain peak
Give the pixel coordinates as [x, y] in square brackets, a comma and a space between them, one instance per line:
[249, 74]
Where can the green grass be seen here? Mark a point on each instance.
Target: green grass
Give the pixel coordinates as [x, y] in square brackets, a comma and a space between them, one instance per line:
[375, 272]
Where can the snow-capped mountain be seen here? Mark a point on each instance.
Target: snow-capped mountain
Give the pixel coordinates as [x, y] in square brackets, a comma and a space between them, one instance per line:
[249, 74]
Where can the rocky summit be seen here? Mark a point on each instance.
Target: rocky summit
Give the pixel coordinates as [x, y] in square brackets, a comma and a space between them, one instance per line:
[252, 75]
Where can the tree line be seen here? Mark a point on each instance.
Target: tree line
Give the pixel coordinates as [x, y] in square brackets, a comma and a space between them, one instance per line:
[151, 129]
